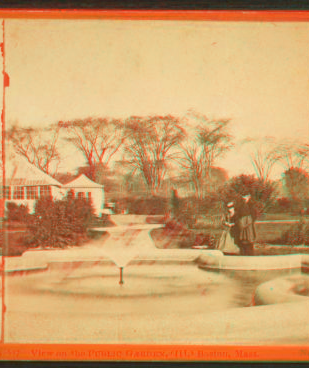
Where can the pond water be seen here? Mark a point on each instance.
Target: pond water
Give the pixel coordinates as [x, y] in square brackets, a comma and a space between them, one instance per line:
[85, 301]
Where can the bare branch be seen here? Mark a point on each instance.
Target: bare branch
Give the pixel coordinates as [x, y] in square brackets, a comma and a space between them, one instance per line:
[98, 139]
[38, 146]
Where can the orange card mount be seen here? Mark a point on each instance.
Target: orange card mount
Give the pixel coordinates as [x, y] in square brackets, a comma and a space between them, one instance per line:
[66, 304]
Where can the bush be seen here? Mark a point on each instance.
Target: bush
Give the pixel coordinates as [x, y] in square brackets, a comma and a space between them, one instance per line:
[204, 239]
[297, 234]
[210, 203]
[12, 243]
[296, 184]
[282, 205]
[59, 223]
[187, 238]
[263, 193]
[16, 212]
[187, 216]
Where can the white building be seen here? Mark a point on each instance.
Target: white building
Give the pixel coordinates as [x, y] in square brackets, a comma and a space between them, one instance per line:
[25, 183]
[86, 188]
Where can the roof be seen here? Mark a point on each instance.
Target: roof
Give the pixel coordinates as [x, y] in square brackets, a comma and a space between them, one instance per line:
[18, 171]
[82, 181]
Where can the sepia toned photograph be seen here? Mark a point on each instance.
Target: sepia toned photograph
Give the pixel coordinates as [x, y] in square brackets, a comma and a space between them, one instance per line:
[155, 186]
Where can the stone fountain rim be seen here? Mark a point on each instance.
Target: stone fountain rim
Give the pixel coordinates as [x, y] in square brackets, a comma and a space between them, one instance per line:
[128, 227]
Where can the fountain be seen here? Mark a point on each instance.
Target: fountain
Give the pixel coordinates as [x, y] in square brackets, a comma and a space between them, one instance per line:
[127, 239]
[201, 292]
[121, 282]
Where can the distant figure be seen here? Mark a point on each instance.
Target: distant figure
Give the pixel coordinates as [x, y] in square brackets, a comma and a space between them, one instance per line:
[245, 234]
[227, 243]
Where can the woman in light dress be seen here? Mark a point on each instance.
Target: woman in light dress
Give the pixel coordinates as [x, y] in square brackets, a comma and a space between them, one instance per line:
[227, 241]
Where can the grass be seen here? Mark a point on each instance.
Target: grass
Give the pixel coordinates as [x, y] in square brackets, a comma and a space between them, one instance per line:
[279, 216]
[268, 232]
[272, 250]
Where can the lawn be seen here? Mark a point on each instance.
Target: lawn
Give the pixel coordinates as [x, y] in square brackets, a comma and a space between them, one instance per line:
[266, 231]
[269, 232]
[271, 250]
[279, 216]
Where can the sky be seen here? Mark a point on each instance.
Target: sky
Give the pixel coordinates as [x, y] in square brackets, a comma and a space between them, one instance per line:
[254, 73]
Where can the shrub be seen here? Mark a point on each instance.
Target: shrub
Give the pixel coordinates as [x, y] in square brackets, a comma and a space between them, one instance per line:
[59, 223]
[263, 193]
[297, 234]
[187, 217]
[187, 237]
[12, 243]
[296, 184]
[205, 239]
[16, 212]
[208, 204]
[282, 204]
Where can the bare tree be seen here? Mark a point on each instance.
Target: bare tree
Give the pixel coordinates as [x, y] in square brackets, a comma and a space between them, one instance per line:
[293, 154]
[191, 161]
[37, 145]
[149, 147]
[198, 156]
[98, 139]
[264, 155]
[303, 151]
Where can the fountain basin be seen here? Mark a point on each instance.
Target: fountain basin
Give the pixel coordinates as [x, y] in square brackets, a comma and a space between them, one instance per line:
[81, 302]
[141, 280]
[283, 290]
[127, 227]
[251, 262]
[120, 220]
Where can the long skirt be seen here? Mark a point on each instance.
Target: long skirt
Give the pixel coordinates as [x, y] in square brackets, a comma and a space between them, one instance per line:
[246, 230]
[226, 243]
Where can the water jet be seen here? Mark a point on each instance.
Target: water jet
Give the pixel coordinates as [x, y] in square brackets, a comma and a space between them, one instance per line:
[121, 282]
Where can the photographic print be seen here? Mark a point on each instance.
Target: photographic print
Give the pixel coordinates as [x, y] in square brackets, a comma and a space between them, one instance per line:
[155, 186]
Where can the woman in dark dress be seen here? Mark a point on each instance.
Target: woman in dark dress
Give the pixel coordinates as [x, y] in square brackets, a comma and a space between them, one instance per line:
[245, 234]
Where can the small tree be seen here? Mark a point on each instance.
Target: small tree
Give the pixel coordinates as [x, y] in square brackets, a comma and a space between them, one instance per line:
[263, 193]
[296, 184]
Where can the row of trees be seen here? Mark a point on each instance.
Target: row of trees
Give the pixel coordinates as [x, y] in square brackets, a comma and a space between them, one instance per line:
[155, 148]
[142, 146]
[267, 152]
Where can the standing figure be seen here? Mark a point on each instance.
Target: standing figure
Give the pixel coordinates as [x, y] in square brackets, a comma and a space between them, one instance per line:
[245, 233]
[227, 244]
